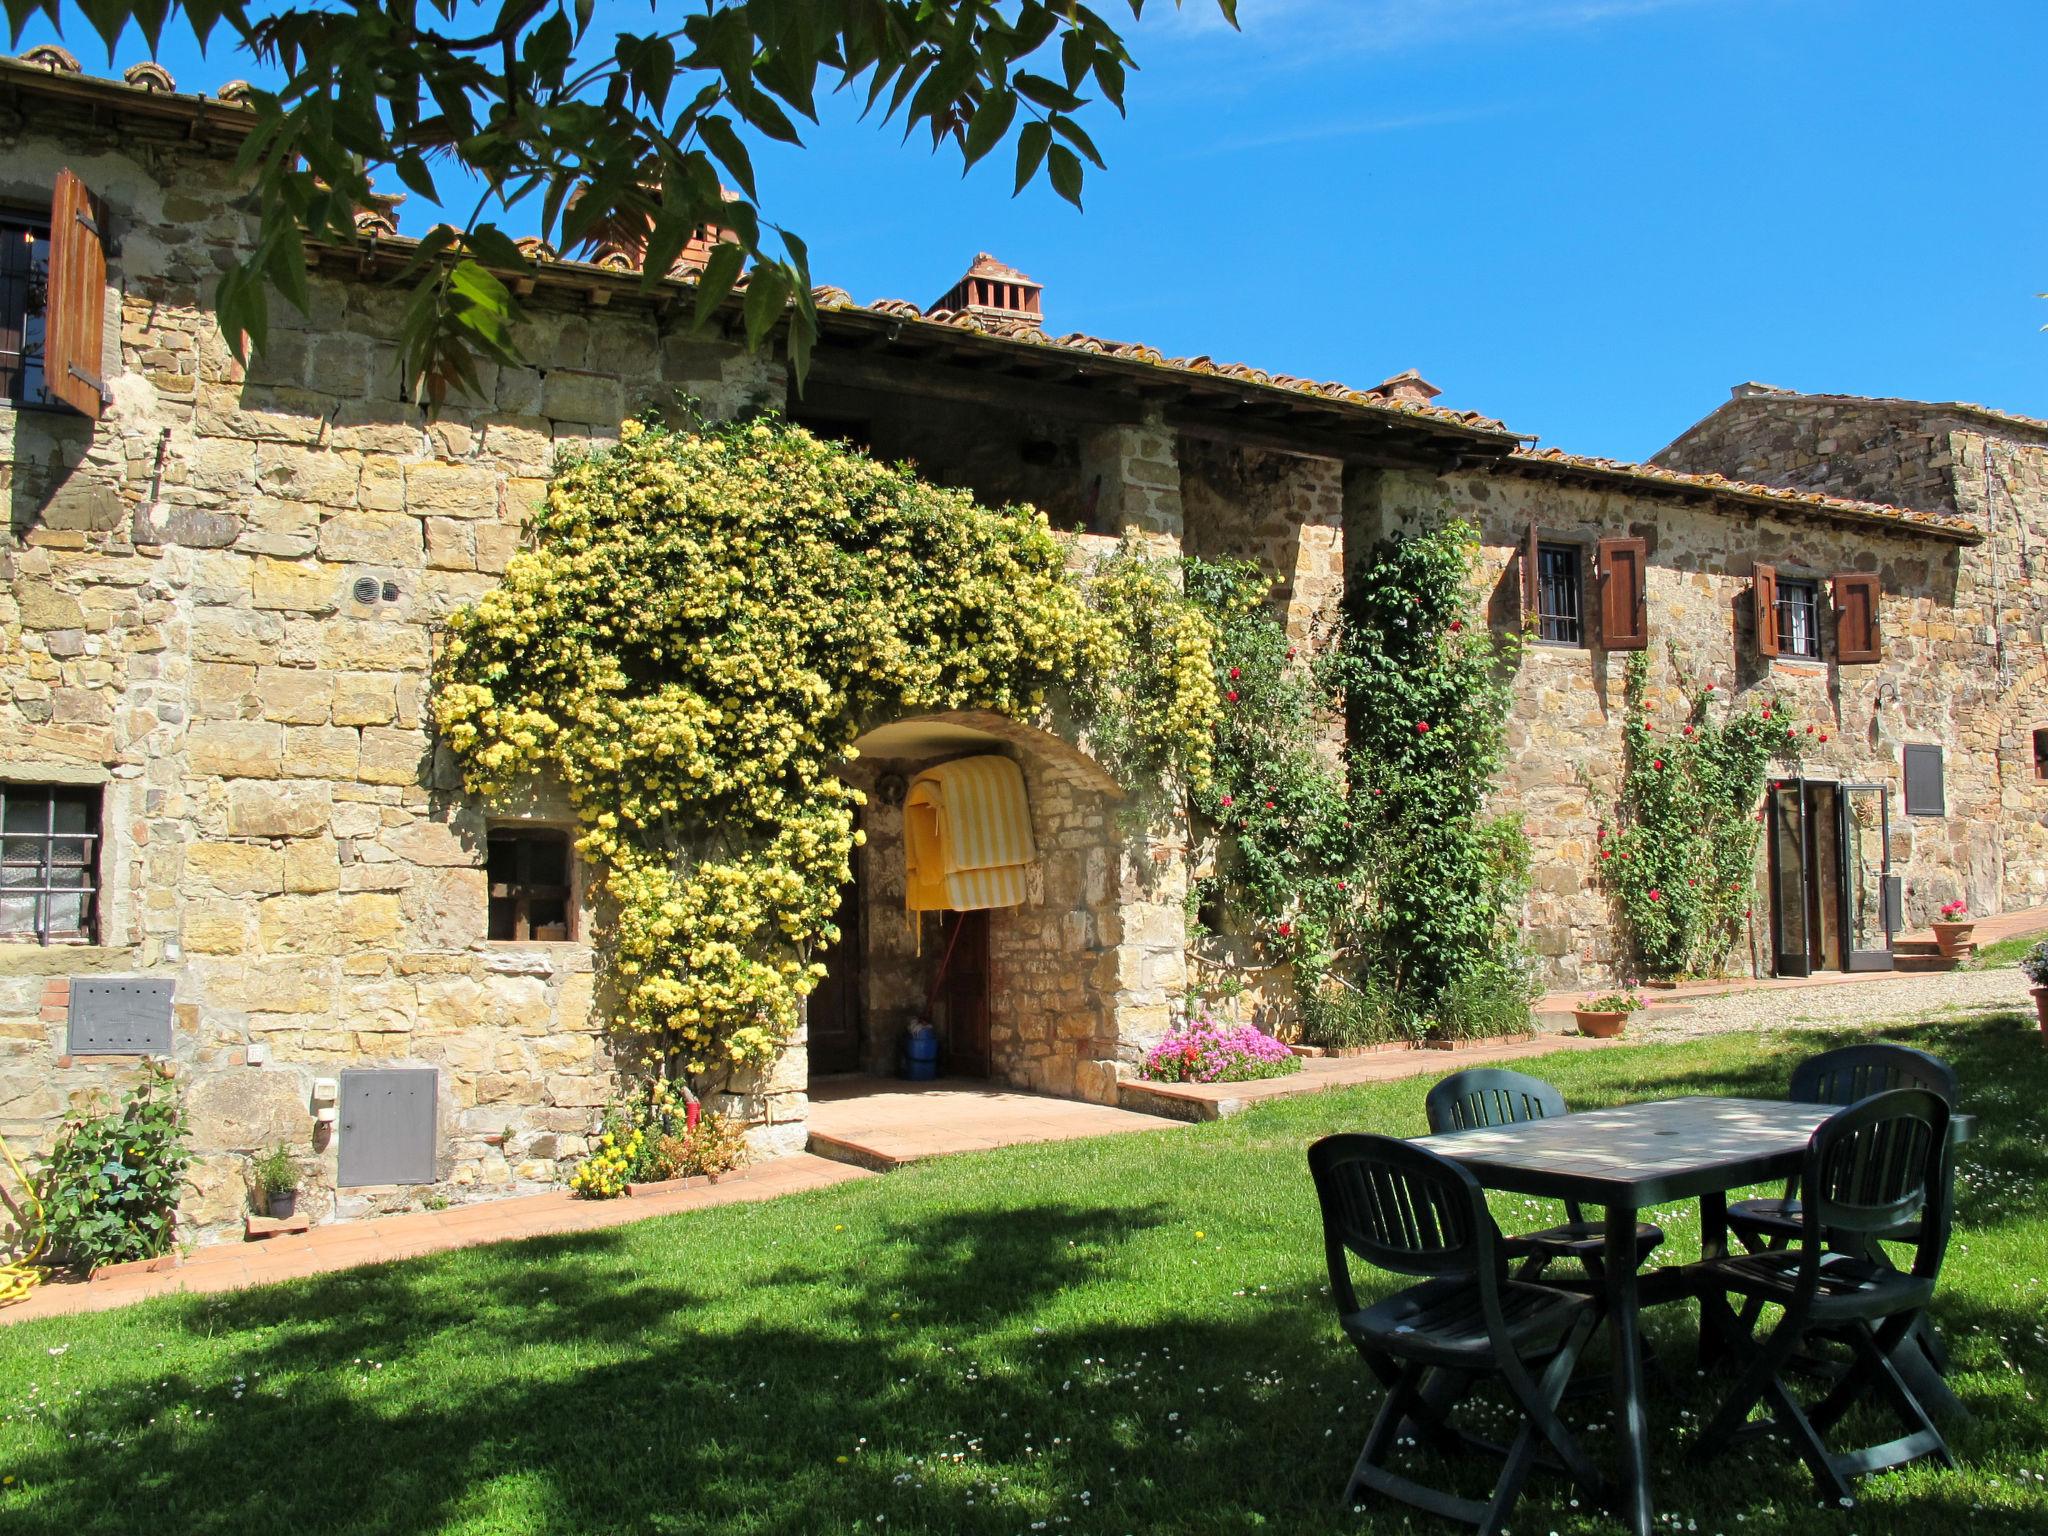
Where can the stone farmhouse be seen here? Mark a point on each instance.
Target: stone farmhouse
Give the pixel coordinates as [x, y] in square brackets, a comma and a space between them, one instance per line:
[230, 839]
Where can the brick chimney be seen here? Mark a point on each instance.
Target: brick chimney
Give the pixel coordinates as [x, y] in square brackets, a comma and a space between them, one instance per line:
[1409, 388]
[621, 243]
[989, 290]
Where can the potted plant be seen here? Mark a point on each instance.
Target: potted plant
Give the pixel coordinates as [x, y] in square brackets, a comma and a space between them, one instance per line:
[2035, 963]
[277, 1175]
[1953, 928]
[1605, 1017]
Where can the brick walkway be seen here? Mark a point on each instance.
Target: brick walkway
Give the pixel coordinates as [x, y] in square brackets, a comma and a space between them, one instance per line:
[1214, 1101]
[1989, 930]
[344, 1245]
[883, 1123]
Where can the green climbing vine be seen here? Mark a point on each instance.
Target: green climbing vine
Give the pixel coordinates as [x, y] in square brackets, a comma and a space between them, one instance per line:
[1680, 859]
[1283, 864]
[1428, 689]
[706, 622]
[1372, 872]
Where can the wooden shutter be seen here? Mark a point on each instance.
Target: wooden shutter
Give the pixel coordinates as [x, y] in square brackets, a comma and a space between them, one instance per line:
[1624, 618]
[74, 321]
[1766, 588]
[1856, 632]
[1530, 595]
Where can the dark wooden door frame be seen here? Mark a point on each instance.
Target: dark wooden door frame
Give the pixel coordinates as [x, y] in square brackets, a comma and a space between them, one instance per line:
[965, 989]
[845, 983]
[1800, 795]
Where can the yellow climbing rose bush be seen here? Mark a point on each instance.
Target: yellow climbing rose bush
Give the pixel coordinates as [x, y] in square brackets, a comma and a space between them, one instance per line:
[706, 621]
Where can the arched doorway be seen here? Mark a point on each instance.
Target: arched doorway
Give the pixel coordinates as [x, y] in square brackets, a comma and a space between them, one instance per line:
[1050, 993]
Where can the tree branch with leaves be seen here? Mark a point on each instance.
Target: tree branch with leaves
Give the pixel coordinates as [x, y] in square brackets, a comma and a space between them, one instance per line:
[629, 139]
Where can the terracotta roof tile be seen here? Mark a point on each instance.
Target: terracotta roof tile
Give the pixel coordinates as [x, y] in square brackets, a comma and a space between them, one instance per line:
[829, 298]
[1556, 461]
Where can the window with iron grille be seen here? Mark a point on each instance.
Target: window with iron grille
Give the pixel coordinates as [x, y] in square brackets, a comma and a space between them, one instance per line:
[1560, 604]
[49, 863]
[1798, 618]
[529, 880]
[24, 297]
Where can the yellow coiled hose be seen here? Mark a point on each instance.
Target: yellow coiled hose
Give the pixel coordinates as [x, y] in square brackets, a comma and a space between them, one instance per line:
[19, 1276]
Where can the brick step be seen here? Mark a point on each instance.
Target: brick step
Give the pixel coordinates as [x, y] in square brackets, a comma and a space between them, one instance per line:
[852, 1153]
[1916, 964]
[1902, 947]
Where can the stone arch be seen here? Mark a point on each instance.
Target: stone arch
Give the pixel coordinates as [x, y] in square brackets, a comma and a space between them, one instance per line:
[1085, 974]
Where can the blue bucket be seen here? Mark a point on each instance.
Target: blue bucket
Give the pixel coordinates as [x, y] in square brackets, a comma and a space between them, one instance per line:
[920, 1053]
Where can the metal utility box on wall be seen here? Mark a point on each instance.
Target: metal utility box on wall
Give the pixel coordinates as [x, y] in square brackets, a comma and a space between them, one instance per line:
[388, 1124]
[113, 1016]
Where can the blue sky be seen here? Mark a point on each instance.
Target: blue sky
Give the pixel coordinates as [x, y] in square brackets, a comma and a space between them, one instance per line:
[1587, 217]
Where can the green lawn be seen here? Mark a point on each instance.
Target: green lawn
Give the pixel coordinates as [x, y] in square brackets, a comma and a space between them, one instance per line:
[1120, 1336]
[1994, 957]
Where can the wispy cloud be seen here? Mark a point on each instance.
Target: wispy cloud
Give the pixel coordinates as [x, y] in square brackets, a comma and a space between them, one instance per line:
[1286, 32]
[1354, 128]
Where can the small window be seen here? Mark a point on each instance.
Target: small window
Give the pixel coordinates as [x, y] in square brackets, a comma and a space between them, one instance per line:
[1559, 594]
[529, 880]
[2041, 753]
[49, 863]
[1799, 618]
[24, 300]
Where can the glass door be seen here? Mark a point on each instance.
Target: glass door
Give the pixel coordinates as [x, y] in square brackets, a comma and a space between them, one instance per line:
[1789, 926]
[1866, 846]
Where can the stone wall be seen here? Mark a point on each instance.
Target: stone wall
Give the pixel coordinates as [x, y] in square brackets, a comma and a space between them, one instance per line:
[1888, 451]
[1564, 737]
[221, 605]
[1988, 467]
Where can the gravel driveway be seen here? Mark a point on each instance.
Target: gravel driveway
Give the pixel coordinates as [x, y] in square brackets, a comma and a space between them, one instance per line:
[1896, 998]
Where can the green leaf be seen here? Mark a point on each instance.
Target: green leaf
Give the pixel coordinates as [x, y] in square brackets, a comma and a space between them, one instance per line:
[1032, 145]
[767, 292]
[986, 128]
[732, 154]
[1064, 166]
[1072, 132]
[721, 271]
[1048, 93]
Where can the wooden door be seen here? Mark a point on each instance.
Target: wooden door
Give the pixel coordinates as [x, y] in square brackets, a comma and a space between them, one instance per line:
[963, 995]
[1789, 926]
[835, 1011]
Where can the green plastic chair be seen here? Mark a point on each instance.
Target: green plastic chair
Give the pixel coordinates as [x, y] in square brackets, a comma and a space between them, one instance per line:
[1869, 1171]
[1491, 1096]
[1402, 1208]
[1838, 1077]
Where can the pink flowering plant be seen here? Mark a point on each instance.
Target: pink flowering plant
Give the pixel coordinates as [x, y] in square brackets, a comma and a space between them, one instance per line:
[1205, 1051]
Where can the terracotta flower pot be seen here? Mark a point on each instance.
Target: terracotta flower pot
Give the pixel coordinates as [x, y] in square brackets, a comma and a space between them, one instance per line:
[2041, 1011]
[1601, 1026]
[1950, 938]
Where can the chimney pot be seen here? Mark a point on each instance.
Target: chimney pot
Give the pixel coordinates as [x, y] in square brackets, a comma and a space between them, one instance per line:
[992, 291]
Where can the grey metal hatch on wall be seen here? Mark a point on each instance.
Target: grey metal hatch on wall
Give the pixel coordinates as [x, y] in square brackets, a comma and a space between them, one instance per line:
[388, 1124]
[1925, 793]
[119, 1016]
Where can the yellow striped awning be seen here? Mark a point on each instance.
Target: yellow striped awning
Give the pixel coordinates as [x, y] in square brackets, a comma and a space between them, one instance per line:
[966, 836]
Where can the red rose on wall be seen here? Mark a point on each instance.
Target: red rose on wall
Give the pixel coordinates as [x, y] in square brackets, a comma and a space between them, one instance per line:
[1422, 727]
[1232, 695]
[1656, 895]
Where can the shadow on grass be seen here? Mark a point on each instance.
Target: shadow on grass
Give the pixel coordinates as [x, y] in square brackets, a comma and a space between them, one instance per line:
[976, 1356]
